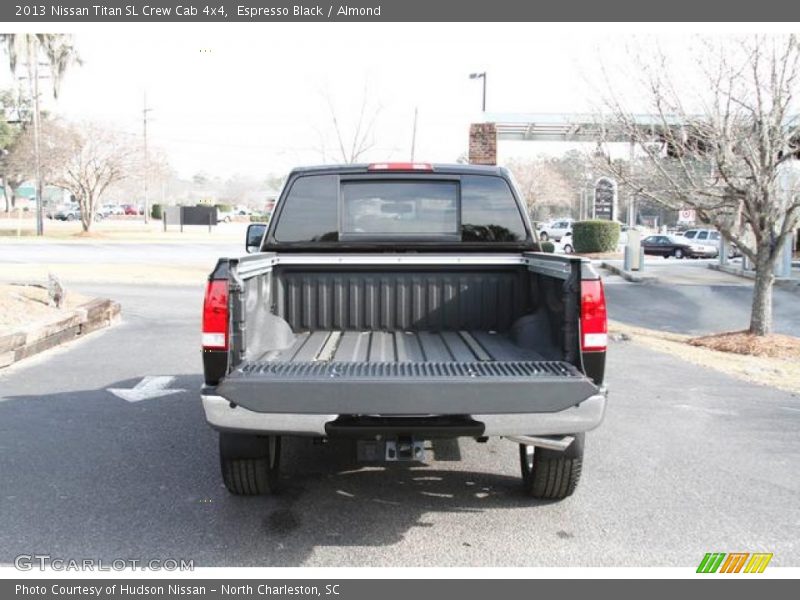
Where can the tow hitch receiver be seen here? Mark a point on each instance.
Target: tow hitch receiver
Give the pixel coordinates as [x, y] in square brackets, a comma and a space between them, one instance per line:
[403, 449]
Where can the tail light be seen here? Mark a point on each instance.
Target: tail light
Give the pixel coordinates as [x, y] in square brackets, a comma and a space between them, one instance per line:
[400, 166]
[594, 320]
[215, 316]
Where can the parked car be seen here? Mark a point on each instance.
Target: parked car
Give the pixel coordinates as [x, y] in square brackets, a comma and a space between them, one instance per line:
[67, 212]
[225, 216]
[72, 212]
[710, 237]
[345, 322]
[706, 237]
[132, 209]
[670, 245]
[564, 245]
[111, 209]
[555, 230]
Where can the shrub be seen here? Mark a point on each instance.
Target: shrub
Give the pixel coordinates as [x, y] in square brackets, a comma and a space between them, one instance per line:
[156, 211]
[547, 247]
[259, 218]
[224, 208]
[595, 236]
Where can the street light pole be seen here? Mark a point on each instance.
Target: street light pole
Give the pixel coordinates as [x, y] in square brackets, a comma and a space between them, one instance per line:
[483, 77]
[483, 105]
[146, 110]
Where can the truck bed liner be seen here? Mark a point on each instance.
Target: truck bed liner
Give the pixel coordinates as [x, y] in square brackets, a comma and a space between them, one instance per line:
[402, 373]
[402, 346]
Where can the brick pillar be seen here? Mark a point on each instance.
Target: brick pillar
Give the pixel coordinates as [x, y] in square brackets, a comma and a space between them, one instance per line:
[483, 144]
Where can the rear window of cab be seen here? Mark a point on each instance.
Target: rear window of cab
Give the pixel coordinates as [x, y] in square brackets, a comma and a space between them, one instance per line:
[469, 208]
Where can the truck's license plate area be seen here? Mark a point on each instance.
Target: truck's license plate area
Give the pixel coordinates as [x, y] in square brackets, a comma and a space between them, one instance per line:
[402, 449]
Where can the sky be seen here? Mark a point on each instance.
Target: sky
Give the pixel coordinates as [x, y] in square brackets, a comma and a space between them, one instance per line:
[253, 99]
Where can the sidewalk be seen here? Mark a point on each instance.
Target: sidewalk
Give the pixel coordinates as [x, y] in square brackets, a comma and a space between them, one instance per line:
[632, 276]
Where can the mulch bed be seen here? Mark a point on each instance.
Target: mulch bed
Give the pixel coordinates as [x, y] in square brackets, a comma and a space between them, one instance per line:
[773, 345]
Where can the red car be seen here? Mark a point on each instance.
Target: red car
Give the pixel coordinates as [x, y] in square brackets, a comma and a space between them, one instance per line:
[131, 209]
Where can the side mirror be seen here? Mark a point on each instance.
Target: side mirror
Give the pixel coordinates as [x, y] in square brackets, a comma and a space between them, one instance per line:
[255, 233]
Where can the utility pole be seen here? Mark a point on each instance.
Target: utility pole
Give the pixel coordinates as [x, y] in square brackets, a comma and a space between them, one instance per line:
[414, 135]
[33, 80]
[145, 110]
[631, 193]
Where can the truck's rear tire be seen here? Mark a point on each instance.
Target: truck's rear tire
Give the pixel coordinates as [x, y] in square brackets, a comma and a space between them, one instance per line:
[551, 474]
[250, 464]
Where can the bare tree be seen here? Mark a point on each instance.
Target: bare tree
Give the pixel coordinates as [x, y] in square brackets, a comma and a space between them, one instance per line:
[18, 163]
[355, 137]
[14, 109]
[722, 141]
[92, 158]
[546, 191]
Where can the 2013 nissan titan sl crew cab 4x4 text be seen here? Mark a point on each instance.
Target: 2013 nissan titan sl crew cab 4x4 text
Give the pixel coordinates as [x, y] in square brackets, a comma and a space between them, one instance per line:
[396, 304]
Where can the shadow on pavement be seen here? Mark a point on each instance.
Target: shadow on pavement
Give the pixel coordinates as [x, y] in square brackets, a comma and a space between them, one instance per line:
[88, 475]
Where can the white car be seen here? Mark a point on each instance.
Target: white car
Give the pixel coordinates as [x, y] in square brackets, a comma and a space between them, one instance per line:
[709, 237]
[564, 245]
[225, 216]
[110, 209]
[555, 230]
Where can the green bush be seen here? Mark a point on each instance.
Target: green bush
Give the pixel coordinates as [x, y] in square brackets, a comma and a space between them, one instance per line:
[259, 218]
[547, 247]
[224, 208]
[595, 236]
[156, 211]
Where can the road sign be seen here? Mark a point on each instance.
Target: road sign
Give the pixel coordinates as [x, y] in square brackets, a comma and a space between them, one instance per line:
[686, 215]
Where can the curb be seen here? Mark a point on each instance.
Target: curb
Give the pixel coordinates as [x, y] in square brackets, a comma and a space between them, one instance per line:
[787, 283]
[90, 316]
[628, 275]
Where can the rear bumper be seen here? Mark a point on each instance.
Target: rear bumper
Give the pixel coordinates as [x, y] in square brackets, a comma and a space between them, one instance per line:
[710, 253]
[224, 416]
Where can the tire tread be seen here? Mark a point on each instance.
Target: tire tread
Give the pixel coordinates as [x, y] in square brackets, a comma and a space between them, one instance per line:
[555, 475]
[246, 468]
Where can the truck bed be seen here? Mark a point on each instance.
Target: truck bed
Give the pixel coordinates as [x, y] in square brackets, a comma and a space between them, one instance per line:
[402, 346]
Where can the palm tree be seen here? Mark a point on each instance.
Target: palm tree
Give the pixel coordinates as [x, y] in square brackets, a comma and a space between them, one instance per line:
[58, 50]
[60, 53]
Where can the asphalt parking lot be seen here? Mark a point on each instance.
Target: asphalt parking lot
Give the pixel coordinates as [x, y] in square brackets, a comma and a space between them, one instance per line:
[688, 461]
[688, 297]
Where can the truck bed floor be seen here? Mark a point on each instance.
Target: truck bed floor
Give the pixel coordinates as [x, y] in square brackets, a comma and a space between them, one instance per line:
[402, 346]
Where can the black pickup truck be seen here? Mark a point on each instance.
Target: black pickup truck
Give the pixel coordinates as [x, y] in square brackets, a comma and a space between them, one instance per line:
[396, 304]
